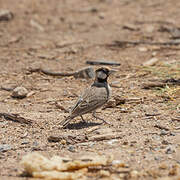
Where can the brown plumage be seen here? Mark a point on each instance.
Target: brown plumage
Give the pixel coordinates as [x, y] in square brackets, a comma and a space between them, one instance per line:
[93, 97]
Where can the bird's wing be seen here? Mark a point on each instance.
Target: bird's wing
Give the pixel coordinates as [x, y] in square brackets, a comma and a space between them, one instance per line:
[91, 99]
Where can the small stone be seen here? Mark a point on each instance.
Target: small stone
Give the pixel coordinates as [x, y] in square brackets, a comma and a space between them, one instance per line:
[35, 143]
[104, 173]
[2, 124]
[174, 170]
[63, 141]
[149, 29]
[19, 92]
[119, 163]
[172, 134]
[5, 147]
[169, 150]
[142, 49]
[71, 149]
[30, 93]
[112, 141]
[163, 166]
[6, 15]
[24, 142]
[134, 174]
[130, 27]
[157, 158]
[36, 25]
[125, 143]
[165, 142]
[101, 15]
[164, 132]
[151, 62]
[154, 53]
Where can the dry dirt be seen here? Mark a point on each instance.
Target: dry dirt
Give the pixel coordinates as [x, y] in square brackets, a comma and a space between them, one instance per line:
[62, 36]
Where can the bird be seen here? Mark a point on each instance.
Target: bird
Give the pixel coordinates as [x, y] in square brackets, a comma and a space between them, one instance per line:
[92, 98]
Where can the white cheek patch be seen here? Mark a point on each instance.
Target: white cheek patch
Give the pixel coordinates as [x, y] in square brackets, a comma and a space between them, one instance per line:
[110, 91]
[101, 75]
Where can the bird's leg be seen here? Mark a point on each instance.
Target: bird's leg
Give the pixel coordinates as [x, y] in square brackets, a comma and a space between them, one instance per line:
[82, 118]
[103, 121]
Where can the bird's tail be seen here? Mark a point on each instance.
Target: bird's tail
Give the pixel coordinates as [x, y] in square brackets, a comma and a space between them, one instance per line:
[65, 122]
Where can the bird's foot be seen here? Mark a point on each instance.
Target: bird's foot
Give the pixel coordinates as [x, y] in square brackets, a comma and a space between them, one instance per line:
[103, 121]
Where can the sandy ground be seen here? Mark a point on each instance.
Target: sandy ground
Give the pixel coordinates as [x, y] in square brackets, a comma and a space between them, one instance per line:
[62, 36]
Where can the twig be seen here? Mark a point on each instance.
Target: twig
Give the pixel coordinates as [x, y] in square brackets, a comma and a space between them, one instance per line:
[151, 62]
[161, 84]
[172, 81]
[92, 129]
[176, 118]
[101, 62]
[109, 168]
[153, 114]
[154, 22]
[58, 105]
[87, 72]
[16, 118]
[105, 137]
[153, 85]
[48, 72]
[124, 43]
[66, 44]
[70, 139]
[7, 88]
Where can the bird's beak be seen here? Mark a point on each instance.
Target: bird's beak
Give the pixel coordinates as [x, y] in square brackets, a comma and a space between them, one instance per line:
[112, 71]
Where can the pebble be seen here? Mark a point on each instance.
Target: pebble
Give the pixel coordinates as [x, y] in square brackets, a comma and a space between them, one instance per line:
[36, 25]
[134, 174]
[142, 49]
[19, 92]
[119, 163]
[71, 149]
[3, 123]
[151, 62]
[24, 142]
[164, 132]
[5, 147]
[6, 15]
[104, 173]
[111, 142]
[63, 141]
[165, 142]
[172, 134]
[35, 143]
[170, 150]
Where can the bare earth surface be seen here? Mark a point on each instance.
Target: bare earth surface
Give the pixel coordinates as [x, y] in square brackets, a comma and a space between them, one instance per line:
[61, 36]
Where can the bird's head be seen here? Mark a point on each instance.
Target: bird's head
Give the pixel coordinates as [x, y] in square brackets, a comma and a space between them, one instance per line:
[103, 73]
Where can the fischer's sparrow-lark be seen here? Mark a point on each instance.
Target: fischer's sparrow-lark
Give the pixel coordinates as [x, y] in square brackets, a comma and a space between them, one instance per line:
[93, 97]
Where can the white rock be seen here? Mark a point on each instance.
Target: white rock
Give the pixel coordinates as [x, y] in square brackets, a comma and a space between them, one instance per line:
[19, 92]
[151, 62]
[112, 141]
[5, 15]
[142, 49]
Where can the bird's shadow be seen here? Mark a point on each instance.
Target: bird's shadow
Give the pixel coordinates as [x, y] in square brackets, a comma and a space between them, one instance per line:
[81, 125]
